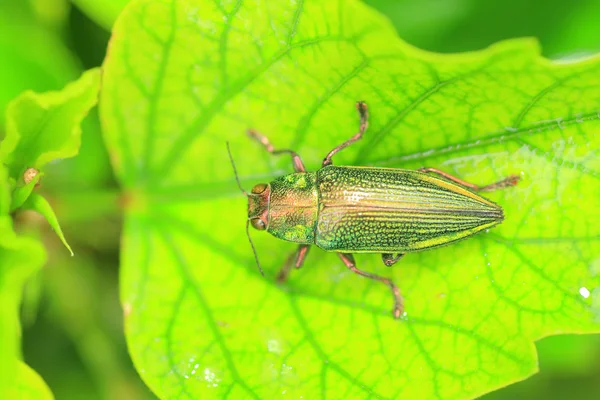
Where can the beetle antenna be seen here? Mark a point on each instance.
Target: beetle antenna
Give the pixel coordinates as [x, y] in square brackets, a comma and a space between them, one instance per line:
[237, 179]
[253, 248]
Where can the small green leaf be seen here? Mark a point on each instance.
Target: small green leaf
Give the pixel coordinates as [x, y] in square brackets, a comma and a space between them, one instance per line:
[20, 258]
[30, 386]
[185, 76]
[39, 204]
[44, 127]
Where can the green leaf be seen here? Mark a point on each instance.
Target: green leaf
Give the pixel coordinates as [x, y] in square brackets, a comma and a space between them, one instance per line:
[20, 258]
[103, 12]
[83, 301]
[39, 204]
[44, 127]
[184, 77]
[30, 385]
[578, 31]
[562, 27]
[579, 360]
[38, 60]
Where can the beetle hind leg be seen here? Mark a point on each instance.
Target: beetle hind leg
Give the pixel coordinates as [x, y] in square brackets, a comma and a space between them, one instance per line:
[389, 259]
[348, 260]
[512, 180]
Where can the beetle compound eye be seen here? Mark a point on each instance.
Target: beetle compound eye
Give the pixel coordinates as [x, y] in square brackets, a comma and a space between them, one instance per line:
[258, 223]
[259, 188]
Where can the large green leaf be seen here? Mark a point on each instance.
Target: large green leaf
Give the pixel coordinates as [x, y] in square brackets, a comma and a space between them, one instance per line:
[183, 77]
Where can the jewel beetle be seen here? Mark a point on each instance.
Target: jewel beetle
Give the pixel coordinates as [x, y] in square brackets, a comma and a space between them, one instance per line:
[355, 209]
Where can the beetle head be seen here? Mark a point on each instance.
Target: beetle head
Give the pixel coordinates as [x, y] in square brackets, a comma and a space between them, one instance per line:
[259, 195]
[258, 206]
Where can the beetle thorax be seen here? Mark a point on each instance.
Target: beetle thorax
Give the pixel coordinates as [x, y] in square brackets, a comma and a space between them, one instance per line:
[293, 207]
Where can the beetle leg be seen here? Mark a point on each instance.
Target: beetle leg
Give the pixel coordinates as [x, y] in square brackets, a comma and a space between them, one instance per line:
[348, 260]
[262, 139]
[361, 106]
[389, 259]
[300, 255]
[504, 183]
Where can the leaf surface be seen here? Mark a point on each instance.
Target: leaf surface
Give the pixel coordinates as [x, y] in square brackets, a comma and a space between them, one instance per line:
[20, 258]
[184, 77]
[31, 385]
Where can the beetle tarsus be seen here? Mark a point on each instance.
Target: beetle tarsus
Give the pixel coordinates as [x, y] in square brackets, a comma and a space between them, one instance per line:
[398, 311]
[389, 259]
[348, 260]
[504, 183]
[363, 110]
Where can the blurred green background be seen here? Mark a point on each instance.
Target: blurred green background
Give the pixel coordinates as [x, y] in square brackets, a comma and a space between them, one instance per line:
[71, 314]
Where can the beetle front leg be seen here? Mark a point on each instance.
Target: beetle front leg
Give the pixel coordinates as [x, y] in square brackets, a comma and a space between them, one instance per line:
[389, 259]
[504, 183]
[348, 260]
[361, 106]
[262, 139]
[298, 258]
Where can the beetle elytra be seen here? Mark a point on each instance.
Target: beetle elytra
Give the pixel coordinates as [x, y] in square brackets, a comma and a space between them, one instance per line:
[349, 209]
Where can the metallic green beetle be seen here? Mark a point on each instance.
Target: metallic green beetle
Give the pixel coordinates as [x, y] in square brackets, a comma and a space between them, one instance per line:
[368, 210]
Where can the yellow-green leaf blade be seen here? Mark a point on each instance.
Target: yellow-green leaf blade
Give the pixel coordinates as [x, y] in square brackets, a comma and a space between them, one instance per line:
[20, 257]
[39, 204]
[183, 77]
[31, 385]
